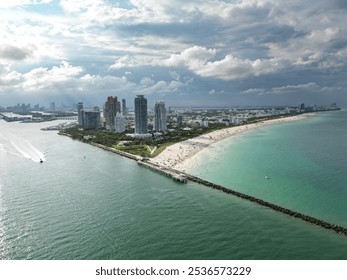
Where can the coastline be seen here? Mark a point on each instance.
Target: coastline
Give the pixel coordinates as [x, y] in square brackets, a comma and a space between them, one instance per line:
[182, 155]
[191, 147]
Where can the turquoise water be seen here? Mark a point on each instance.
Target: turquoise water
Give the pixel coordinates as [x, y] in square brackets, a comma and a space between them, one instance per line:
[305, 160]
[86, 203]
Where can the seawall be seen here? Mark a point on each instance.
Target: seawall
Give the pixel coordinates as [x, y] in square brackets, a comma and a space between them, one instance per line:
[124, 154]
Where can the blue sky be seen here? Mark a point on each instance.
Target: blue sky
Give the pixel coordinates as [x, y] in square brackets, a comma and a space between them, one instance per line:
[187, 53]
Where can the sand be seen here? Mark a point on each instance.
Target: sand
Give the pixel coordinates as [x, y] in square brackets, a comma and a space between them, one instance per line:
[181, 155]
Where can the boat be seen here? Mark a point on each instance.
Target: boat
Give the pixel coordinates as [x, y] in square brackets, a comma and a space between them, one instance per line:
[267, 177]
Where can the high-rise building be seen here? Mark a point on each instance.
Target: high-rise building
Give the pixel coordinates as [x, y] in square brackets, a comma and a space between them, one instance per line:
[52, 106]
[180, 120]
[112, 107]
[159, 116]
[79, 109]
[91, 118]
[302, 107]
[119, 123]
[124, 108]
[140, 114]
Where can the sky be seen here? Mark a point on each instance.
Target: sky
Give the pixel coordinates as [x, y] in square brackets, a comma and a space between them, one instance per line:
[185, 52]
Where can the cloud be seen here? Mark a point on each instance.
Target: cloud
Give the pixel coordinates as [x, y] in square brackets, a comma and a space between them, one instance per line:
[14, 3]
[75, 6]
[39, 78]
[8, 77]
[174, 75]
[192, 57]
[254, 91]
[287, 89]
[161, 87]
[121, 63]
[198, 60]
[146, 81]
[9, 52]
[231, 68]
[66, 78]
[215, 92]
[294, 88]
[254, 49]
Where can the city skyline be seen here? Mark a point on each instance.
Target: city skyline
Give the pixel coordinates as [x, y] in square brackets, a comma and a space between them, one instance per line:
[188, 53]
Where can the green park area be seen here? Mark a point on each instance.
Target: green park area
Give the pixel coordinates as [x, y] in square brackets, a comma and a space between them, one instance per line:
[145, 147]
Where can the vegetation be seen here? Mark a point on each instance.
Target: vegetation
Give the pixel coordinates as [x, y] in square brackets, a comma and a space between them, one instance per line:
[145, 147]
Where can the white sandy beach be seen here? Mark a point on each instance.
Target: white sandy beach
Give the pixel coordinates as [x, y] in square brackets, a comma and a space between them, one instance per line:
[180, 156]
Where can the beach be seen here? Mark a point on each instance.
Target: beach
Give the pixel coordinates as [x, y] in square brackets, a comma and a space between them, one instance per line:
[182, 155]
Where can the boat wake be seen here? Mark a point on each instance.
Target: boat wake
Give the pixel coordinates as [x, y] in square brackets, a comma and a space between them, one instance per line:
[27, 150]
[20, 147]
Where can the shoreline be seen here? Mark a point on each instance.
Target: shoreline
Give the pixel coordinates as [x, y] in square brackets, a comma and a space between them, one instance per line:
[182, 155]
[214, 137]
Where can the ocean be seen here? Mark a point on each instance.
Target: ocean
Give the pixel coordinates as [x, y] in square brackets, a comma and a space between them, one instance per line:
[86, 203]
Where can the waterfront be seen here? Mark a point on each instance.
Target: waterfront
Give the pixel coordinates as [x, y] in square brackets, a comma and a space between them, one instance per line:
[86, 203]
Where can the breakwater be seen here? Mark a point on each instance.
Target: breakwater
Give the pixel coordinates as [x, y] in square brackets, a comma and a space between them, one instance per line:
[184, 176]
[177, 176]
[306, 218]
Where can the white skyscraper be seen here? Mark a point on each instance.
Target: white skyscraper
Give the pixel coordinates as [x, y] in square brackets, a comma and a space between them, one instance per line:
[119, 121]
[159, 116]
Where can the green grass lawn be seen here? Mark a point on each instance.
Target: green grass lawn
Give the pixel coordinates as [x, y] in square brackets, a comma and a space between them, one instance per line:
[143, 150]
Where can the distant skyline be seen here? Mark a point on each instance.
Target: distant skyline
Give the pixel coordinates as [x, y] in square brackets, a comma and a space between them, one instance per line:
[187, 53]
